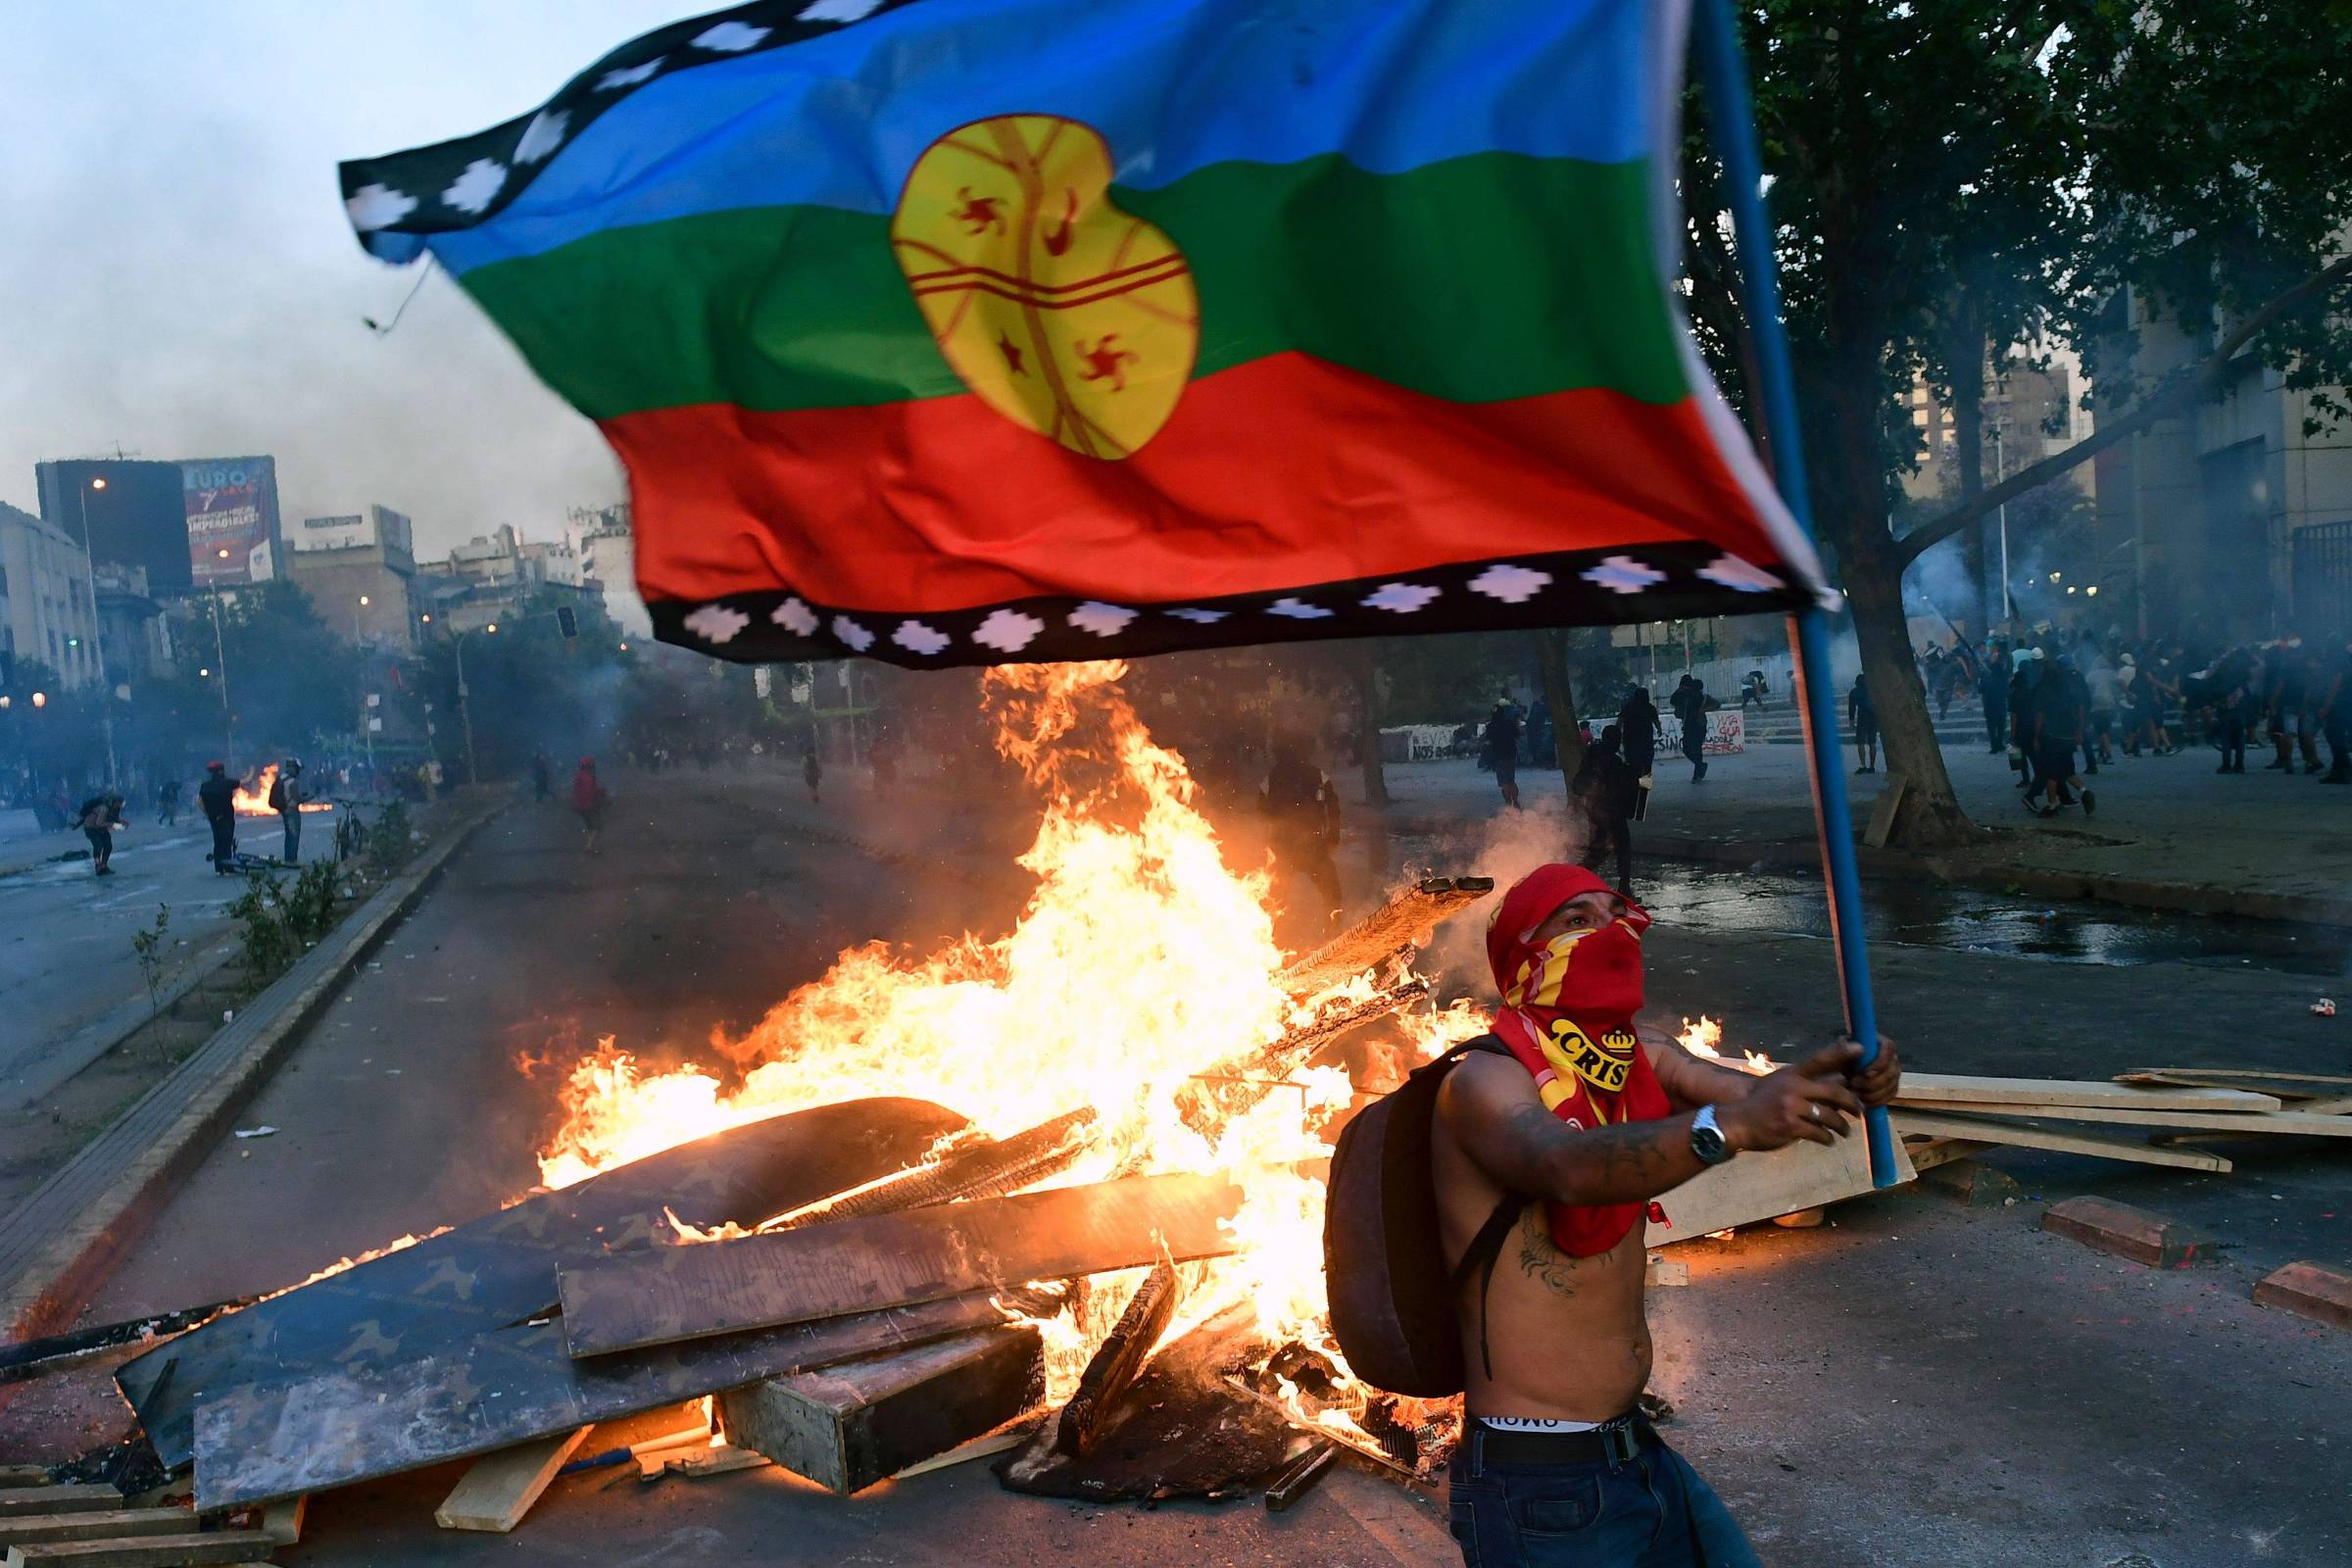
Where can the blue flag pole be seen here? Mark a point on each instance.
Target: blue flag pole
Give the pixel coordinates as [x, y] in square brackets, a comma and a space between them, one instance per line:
[1732, 118]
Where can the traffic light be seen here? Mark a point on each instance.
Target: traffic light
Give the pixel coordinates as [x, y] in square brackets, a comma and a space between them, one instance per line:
[567, 622]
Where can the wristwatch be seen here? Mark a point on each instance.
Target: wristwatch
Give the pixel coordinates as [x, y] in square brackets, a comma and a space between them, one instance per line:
[1706, 1139]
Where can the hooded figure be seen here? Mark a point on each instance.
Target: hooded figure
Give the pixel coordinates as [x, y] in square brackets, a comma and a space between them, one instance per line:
[588, 799]
[1567, 1016]
[219, 799]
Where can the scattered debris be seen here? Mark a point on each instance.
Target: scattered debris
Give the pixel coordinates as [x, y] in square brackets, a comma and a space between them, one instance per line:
[1118, 1359]
[257, 1132]
[1300, 1477]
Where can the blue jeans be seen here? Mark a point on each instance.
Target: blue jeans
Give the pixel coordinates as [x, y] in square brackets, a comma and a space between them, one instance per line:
[1651, 1511]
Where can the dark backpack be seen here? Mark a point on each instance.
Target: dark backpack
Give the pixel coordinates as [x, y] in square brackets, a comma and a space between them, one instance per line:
[1392, 1296]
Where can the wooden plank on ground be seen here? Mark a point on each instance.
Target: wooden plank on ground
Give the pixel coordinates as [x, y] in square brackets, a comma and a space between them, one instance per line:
[681, 1292]
[1768, 1184]
[1935, 1151]
[2301, 1123]
[2015, 1093]
[76, 1497]
[435, 1299]
[500, 1488]
[282, 1520]
[2261, 1079]
[103, 1524]
[260, 1442]
[147, 1551]
[2018, 1135]
[852, 1425]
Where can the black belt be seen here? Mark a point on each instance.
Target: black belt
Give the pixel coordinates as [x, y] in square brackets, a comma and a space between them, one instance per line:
[1613, 1442]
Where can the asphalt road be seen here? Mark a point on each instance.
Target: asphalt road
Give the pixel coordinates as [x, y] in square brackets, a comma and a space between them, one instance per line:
[1912, 1384]
[65, 957]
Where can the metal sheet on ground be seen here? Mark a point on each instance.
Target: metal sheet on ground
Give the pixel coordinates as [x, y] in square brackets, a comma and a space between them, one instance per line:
[257, 1444]
[856, 1265]
[430, 1299]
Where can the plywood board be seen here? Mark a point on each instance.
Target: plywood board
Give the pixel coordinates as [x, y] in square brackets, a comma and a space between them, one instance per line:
[430, 1301]
[681, 1292]
[2303, 1123]
[1768, 1184]
[499, 1489]
[1937, 1088]
[264, 1442]
[2018, 1135]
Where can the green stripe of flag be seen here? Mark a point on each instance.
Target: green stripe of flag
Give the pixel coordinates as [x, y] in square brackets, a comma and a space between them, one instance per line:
[1476, 279]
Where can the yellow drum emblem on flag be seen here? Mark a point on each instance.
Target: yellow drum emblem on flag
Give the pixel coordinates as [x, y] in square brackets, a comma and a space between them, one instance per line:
[1065, 313]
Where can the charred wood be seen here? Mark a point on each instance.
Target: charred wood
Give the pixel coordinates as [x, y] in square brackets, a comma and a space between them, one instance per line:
[1117, 1360]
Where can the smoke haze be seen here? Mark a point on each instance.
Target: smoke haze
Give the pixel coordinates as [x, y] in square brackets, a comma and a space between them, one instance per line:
[177, 275]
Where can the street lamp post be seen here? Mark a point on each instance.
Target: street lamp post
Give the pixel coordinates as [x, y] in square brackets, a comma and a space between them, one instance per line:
[106, 690]
[464, 712]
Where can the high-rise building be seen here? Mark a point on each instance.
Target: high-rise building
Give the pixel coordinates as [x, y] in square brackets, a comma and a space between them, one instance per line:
[609, 559]
[47, 615]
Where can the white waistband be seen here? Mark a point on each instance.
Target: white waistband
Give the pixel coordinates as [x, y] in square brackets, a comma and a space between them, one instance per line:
[1538, 1423]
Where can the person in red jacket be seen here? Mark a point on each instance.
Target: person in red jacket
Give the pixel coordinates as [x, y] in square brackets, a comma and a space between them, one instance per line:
[588, 797]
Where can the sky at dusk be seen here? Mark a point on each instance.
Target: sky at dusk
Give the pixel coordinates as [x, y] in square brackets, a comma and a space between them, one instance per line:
[177, 278]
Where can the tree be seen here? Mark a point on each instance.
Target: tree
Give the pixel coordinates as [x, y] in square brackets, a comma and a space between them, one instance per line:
[1951, 177]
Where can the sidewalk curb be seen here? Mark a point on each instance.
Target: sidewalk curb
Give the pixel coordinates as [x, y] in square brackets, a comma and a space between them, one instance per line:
[64, 1241]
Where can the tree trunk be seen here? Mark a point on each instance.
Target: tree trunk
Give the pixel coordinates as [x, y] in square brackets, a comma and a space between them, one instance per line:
[1559, 694]
[1932, 817]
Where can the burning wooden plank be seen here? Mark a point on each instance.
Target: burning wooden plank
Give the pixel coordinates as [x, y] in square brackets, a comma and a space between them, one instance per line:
[263, 1441]
[1404, 921]
[852, 1425]
[1235, 1087]
[858, 1265]
[984, 1169]
[1117, 1360]
[432, 1299]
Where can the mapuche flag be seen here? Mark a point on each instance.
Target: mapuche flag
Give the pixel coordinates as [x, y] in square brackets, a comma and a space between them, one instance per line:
[966, 331]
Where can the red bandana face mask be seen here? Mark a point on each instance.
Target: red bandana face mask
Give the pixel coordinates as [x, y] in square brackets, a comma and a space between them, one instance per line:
[1568, 1018]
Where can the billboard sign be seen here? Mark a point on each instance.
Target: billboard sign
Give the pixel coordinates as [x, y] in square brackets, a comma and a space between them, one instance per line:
[232, 510]
[331, 533]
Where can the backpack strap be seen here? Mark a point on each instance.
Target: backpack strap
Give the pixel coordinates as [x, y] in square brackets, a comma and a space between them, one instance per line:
[1486, 1248]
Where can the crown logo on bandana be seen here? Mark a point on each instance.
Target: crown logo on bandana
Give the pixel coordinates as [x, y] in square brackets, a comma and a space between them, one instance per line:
[1604, 1063]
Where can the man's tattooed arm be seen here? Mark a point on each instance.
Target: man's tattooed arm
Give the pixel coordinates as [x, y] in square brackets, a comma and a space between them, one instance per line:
[1492, 1107]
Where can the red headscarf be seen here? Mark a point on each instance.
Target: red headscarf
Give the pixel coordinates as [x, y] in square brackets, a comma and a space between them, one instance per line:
[1567, 1015]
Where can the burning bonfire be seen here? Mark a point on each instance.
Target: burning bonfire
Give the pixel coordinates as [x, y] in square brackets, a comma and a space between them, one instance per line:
[252, 797]
[1139, 1018]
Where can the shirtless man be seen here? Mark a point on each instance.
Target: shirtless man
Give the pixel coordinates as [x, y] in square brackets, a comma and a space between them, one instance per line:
[1589, 1122]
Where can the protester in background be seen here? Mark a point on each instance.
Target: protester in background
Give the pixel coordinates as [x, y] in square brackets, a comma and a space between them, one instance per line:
[1689, 704]
[1992, 689]
[2058, 710]
[167, 803]
[217, 797]
[1862, 716]
[1640, 728]
[1500, 749]
[98, 818]
[812, 769]
[2336, 715]
[1604, 790]
[1302, 814]
[285, 798]
[2286, 691]
[542, 777]
[2226, 688]
[2023, 755]
[1751, 690]
[588, 799]
[2102, 694]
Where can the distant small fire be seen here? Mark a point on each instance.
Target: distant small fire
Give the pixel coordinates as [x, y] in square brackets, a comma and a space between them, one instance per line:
[253, 797]
[1705, 1038]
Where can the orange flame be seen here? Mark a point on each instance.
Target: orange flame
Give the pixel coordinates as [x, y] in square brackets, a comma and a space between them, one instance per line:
[1139, 960]
[253, 798]
[1705, 1038]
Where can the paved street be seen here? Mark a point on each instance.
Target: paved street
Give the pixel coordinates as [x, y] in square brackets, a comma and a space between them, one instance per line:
[65, 957]
[1914, 1383]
